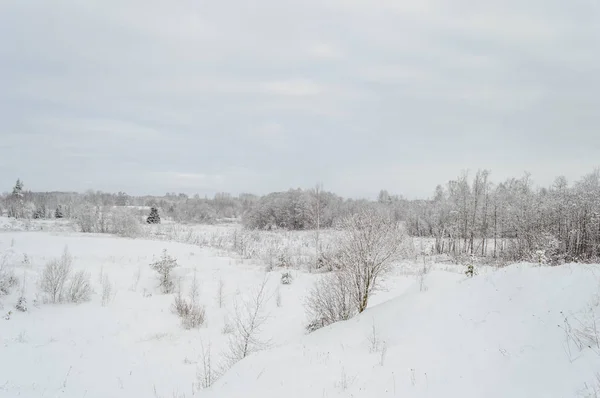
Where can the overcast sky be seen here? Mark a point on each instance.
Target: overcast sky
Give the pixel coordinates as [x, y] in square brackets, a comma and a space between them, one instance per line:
[201, 96]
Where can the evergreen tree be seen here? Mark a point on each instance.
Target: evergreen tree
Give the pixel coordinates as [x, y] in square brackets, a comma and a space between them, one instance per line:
[39, 213]
[18, 189]
[153, 218]
[15, 201]
[59, 212]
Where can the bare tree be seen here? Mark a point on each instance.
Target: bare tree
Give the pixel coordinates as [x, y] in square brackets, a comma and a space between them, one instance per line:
[250, 317]
[316, 214]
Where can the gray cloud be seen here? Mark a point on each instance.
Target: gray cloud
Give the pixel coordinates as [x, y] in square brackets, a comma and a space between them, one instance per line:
[152, 96]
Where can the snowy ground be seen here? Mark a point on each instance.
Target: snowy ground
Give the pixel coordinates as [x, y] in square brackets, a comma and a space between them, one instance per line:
[500, 334]
[522, 331]
[134, 346]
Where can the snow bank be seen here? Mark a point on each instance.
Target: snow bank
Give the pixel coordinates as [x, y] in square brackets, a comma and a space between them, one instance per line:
[503, 334]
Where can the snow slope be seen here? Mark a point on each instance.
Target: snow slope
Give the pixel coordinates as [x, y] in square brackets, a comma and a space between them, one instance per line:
[508, 333]
[134, 346]
[501, 334]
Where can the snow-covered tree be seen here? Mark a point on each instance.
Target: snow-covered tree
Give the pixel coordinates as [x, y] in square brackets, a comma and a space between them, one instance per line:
[16, 203]
[370, 242]
[18, 189]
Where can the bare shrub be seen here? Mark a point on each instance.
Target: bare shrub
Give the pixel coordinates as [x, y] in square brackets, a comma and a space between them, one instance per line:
[374, 340]
[107, 289]
[194, 288]
[221, 293]
[330, 300]
[191, 313]
[164, 266]
[382, 354]
[249, 319]
[278, 297]
[79, 287]
[345, 381]
[136, 279]
[22, 301]
[422, 275]
[227, 326]
[587, 331]
[55, 275]
[591, 390]
[8, 280]
[208, 372]
[243, 243]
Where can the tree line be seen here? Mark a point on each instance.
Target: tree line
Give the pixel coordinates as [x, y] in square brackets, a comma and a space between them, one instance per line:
[512, 219]
[470, 215]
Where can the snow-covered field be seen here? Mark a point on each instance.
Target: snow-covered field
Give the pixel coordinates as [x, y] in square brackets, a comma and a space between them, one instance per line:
[521, 331]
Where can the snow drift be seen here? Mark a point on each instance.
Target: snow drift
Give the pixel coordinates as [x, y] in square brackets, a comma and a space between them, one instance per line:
[523, 331]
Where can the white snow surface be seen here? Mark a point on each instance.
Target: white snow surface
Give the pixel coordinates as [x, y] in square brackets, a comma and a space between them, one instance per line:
[500, 334]
[497, 335]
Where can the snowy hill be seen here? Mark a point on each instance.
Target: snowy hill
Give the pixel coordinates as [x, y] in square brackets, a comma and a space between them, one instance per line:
[521, 331]
[517, 332]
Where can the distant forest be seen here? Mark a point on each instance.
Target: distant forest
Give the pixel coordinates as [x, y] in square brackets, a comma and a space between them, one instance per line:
[470, 215]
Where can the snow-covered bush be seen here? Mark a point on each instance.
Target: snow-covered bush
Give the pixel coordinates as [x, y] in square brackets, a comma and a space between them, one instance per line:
[192, 314]
[547, 249]
[164, 265]
[286, 278]
[118, 221]
[8, 280]
[60, 285]
[369, 244]
[124, 223]
[21, 304]
[283, 260]
[55, 276]
[330, 300]
[470, 271]
[86, 217]
[539, 256]
[79, 288]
